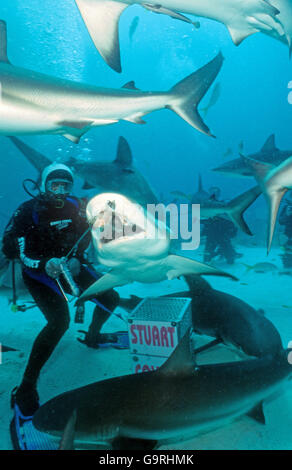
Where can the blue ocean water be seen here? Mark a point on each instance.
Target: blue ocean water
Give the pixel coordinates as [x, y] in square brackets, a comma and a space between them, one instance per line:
[50, 37]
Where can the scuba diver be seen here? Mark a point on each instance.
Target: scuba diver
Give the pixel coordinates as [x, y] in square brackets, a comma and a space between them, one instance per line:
[285, 219]
[219, 232]
[42, 233]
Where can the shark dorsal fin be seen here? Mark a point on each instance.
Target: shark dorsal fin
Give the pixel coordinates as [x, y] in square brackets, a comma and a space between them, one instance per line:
[269, 145]
[181, 361]
[124, 154]
[3, 42]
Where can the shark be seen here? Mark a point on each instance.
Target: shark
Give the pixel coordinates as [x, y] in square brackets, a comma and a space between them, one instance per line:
[119, 175]
[178, 401]
[36, 103]
[242, 18]
[233, 209]
[134, 244]
[268, 153]
[275, 181]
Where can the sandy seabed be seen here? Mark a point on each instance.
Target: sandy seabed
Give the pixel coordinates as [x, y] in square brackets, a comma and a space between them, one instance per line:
[73, 365]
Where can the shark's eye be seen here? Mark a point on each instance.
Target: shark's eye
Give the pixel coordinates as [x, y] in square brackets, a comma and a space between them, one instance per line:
[101, 229]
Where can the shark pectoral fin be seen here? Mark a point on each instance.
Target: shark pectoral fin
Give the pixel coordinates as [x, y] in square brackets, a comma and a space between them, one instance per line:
[238, 35]
[261, 16]
[67, 441]
[74, 130]
[3, 42]
[186, 95]
[179, 266]
[182, 360]
[257, 413]
[102, 21]
[106, 282]
[239, 205]
[274, 201]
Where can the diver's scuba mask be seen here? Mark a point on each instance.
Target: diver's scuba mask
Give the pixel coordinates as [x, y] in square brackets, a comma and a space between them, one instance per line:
[57, 190]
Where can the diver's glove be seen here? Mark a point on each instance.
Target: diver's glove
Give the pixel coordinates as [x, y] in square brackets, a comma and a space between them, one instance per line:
[74, 266]
[53, 267]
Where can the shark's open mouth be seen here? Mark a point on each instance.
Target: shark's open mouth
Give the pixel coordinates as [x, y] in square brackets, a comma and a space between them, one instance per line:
[117, 227]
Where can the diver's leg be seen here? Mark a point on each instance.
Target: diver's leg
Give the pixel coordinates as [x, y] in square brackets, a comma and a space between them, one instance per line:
[227, 251]
[210, 249]
[105, 305]
[55, 309]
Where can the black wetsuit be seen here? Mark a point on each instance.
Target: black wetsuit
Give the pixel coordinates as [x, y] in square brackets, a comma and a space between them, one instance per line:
[219, 232]
[41, 232]
[286, 220]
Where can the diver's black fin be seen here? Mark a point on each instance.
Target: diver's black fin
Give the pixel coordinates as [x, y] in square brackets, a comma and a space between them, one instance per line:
[126, 443]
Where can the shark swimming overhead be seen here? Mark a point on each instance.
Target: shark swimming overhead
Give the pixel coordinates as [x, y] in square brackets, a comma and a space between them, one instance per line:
[173, 403]
[135, 245]
[34, 103]
[269, 153]
[242, 18]
[119, 176]
[275, 181]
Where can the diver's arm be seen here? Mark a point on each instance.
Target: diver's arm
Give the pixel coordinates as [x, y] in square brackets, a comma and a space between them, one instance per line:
[23, 224]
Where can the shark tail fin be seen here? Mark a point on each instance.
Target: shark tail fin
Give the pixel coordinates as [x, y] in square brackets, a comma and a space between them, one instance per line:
[274, 201]
[3, 42]
[239, 205]
[102, 21]
[187, 94]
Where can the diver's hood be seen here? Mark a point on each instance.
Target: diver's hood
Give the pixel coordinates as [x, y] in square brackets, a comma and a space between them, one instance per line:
[54, 167]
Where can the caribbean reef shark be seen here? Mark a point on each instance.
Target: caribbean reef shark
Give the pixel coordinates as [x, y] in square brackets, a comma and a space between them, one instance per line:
[269, 153]
[275, 182]
[135, 245]
[34, 103]
[242, 19]
[119, 176]
[226, 317]
[175, 402]
[234, 209]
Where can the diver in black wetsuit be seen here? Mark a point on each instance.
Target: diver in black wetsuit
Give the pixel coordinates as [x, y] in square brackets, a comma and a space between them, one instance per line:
[45, 229]
[219, 232]
[285, 219]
